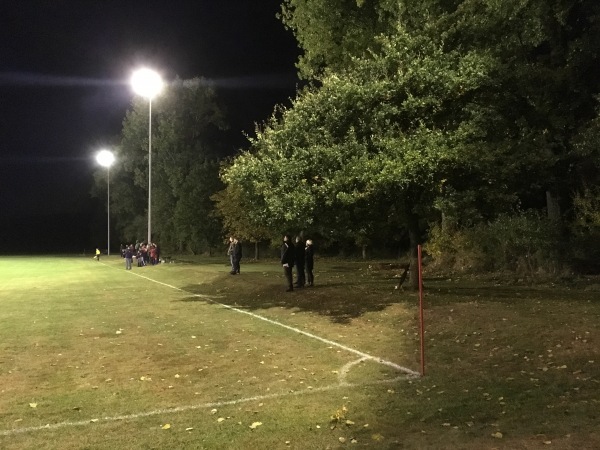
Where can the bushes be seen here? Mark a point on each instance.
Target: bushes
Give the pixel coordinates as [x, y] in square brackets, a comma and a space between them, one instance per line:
[526, 243]
[586, 232]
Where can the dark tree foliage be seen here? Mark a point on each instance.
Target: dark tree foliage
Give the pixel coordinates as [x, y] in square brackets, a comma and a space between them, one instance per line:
[187, 126]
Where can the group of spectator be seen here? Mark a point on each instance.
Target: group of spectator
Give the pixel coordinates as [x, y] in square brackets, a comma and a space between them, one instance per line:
[144, 253]
[301, 256]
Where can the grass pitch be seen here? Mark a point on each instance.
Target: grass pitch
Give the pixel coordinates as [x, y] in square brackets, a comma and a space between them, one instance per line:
[186, 355]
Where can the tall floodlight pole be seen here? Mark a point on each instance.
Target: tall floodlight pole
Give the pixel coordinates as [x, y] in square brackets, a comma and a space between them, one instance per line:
[106, 158]
[148, 84]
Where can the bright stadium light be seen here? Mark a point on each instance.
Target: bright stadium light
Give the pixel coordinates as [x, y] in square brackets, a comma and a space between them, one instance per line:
[148, 84]
[106, 158]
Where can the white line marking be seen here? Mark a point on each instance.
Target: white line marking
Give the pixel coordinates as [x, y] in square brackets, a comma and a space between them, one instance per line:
[341, 377]
[295, 330]
[178, 409]
[346, 369]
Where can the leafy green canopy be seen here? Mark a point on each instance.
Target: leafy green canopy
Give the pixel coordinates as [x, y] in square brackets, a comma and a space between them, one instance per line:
[378, 135]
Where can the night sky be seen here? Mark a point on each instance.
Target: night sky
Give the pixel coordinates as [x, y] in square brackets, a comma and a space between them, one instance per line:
[64, 89]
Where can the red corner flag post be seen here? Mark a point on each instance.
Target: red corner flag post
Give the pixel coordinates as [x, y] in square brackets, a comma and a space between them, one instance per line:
[422, 327]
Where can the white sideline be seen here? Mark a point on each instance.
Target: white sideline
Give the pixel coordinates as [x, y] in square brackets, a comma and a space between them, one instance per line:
[341, 376]
[178, 409]
[363, 355]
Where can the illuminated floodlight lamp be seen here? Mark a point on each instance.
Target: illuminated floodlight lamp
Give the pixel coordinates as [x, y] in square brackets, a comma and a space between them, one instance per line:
[148, 84]
[106, 158]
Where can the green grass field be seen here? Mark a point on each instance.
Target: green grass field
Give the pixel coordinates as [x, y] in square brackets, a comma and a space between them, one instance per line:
[185, 355]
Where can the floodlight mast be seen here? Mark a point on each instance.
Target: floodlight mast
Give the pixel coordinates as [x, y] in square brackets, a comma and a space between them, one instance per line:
[106, 159]
[148, 84]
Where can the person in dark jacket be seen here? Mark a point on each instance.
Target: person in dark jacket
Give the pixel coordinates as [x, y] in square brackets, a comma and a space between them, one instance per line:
[287, 260]
[299, 261]
[128, 257]
[309, 259]
[236, 256]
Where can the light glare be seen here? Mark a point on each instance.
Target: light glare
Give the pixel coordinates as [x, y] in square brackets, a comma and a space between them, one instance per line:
[105, 158]
[146, 82]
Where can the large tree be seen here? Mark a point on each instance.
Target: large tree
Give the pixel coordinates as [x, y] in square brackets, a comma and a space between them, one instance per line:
[187, 134]
[380, 136]
[543, 90]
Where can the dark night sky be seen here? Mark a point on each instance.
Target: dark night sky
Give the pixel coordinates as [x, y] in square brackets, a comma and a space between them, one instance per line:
[64, 83]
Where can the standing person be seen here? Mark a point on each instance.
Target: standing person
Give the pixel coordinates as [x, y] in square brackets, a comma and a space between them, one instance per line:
[139, 257]
[97, 254]
[230, 254]
[309, 259]
[236, 255]
[299, 260]
[144, 249]
[128, 257]
[287, 260]
[153, 255]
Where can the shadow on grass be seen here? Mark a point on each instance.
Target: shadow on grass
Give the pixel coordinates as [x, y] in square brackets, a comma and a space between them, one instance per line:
[499, 293]
[339, 300]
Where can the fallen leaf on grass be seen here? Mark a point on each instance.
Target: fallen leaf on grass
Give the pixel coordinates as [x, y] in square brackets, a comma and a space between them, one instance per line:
[189, 429]
[94, 420]
[497, 435]
[166, 426]
[33, 405]
[220, 419]
[255, 425]
[377, 437]
[342, 439]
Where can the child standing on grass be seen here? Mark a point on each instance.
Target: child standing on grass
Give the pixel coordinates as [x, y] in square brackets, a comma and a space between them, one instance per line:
[97, 254]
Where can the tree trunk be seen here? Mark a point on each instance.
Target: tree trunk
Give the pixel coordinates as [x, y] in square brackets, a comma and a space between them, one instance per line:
[364, 252]
[256, 251]
[553, 207]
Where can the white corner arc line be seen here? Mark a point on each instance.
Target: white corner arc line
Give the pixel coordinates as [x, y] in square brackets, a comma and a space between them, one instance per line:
[346, 369]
